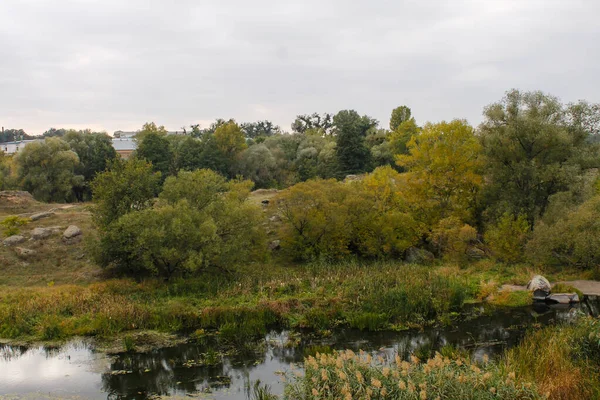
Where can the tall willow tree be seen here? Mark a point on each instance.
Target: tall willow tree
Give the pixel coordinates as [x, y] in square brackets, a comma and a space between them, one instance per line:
[534, 147]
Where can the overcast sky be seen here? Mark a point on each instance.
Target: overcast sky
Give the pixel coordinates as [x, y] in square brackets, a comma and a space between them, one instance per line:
[115, 64]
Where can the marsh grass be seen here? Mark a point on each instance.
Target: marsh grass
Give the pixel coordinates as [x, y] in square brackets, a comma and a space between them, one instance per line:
[262, 392]
[564, 361]
[507, 298]
[240, 307]
[564, 288]
[347, 375]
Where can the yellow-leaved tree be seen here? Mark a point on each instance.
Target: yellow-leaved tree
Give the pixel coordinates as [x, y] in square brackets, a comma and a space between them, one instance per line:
[444, 164]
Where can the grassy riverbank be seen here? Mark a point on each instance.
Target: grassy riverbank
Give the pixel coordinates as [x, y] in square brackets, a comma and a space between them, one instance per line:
[58, 292]
[375, 296]
[372, 296]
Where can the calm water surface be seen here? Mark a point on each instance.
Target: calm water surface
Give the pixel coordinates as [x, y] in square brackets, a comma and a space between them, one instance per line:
[76, 371]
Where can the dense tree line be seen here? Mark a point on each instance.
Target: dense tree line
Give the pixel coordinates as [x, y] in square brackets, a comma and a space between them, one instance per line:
[521, 186]
[58, 169]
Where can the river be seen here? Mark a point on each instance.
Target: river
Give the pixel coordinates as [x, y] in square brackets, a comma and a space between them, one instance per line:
[198, 369]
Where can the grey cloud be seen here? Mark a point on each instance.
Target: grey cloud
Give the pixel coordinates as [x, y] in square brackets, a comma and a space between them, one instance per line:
[116, 64]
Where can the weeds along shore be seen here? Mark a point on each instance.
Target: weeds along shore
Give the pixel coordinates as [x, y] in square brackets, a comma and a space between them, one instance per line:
[551, 363]
[374, 297]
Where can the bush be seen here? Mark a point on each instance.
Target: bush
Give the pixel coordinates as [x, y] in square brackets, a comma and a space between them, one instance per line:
[315, 219]
[573, 240]
[125, 187]
[330, 219]
[202, 222]
[452, 238]
[507, 238]
[11, 224]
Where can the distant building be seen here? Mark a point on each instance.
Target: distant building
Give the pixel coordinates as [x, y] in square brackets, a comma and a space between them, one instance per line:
[130, 134]
[123, 142]
[14, 147]
[124, 145]
[124, 134]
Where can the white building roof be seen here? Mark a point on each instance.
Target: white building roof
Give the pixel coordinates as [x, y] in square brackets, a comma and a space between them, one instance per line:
[123, 144]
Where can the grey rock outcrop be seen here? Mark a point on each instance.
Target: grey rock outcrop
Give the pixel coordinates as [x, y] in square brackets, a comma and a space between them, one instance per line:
[475, 253]
[540, 287]
[13, 240]
[43, 233]
[415, 255]
[71, 232]
[563, 298]
[41, 215]
[275, 245]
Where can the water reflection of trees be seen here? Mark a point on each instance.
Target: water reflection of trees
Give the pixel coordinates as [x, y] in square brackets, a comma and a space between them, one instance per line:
[10, 352]
[167, 374]
[174, 370]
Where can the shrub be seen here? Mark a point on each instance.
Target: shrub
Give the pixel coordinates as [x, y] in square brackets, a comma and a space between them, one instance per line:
[379, 221]
[507, 238]
[315, 219]
[125, 187]
[11, 224]
[204, 222]
[329, 219]
[573, 240]
[452, 237]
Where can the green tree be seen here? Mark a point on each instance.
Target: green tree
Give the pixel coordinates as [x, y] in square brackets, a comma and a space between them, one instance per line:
[399, 115]
[445, 166]
[351, 129]
[315, 219]
[399, 137]
[534, 148]
[322, 123]
[230, 142]
[451, 238]
[162, 241]
[187, 152]
[258, 164]
[6, 178]
[379, 219]
[156, 148]
[150, 127]
[11, 135]
[230, 139]
[95, 151]
[53, 132]
[327, 166]
[330, 219]
[259, 129]
[126, 186]
[202, 222]
[47, 170]
[199, 188]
